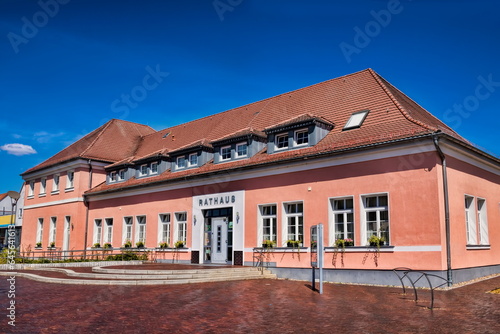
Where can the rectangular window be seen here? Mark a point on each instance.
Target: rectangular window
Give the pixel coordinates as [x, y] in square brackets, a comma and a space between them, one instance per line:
[39, 231]
[143, 170]
[356, 120]
[225, 153]
[241, 150]
[343, 218]
[294, 221]
[181, 162]
[108, 232]
[154, 168]
[52, 234]
[55, 183]
[476, 221]
[281, 141]
[97, 231]
[301, 137]
[127, 229]
[482, 222]
[181, 220]
[193, 160]
[164, 228]
[31, 188]
[141, 229]
[268, 222]
[121, 175]
[376, 217]
[69, 179]
[112, 177]
[43, 185]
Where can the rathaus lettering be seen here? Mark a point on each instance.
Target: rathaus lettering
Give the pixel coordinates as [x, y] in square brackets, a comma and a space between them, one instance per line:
[217, 200]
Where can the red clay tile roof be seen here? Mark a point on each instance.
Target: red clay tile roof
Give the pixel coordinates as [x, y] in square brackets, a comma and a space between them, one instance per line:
[392, 116]
[114, 141]
[299, 119]
[2, 196]
[247, 132]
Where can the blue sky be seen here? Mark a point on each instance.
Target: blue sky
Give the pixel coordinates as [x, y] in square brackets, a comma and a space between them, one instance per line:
[67, 66]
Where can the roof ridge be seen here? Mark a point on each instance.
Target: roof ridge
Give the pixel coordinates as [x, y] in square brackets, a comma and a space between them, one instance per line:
[269, 99]
[397, 104]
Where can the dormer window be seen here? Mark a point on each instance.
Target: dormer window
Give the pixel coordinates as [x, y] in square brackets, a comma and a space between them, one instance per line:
[225, 152]
[154, 168]
[281, 141]
[143, 170]
[121, 175]
[112, 177]
[181, 162]
[301, 137]
[193, 160]
[356, 120]
[241, 150]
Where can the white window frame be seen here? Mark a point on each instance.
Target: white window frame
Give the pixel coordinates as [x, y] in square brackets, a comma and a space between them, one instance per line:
[31, 188]
[298, 218]
[141, 171]
[164, 227]
[482, 217]
[237, 154]
[378, 210]
[98, 231]
[470, 220]
[181, 226]
[273, 223]
[153, 170]
[108, 231]
[222, 153]
[55, 183]
[70, 179]
[356, 120]
[121, 175]
[295, 135]
[276, 141]
[53, 230]
[191, 163]
[140, 228]
[43, 186]
[178, 164]
[112, 177]
[39, 230]
[128, 227]
[333, 223]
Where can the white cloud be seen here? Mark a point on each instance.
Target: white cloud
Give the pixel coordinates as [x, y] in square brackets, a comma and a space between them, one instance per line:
[15, 135]
[18, 149]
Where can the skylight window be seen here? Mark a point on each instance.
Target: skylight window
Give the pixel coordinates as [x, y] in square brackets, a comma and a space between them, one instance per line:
[356, 120]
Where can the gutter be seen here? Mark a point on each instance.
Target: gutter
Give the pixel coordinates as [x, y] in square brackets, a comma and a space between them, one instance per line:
[449, 275]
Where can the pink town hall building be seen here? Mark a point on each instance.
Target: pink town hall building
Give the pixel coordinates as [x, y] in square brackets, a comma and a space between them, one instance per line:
[352, 153]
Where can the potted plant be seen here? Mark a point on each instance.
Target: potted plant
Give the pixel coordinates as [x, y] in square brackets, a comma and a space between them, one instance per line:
[348, 242]
[314, 244]
[340, 243]
[127, 244]
[163, 245]
[52, 244]
[139, 244]
[268, 243]
[179, 244]
[376, 241]
[107, 245]
[38, 245]
[96, 245]
[293, 243]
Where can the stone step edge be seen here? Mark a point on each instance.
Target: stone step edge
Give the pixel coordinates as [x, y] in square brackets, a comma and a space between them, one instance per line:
[133, 283]
[168, 272]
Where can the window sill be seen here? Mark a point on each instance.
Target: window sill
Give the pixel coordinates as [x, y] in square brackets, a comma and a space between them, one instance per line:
[282, 249]
[477, 247]
[69, 189]
[55, 192]
[362, 249]
[30, 196]
[42, 195]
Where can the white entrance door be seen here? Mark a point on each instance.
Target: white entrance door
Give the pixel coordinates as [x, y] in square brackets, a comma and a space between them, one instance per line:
[219, 244]
[67, 226]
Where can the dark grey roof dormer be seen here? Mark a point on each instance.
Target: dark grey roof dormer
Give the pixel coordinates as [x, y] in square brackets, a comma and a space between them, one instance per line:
[229, 148]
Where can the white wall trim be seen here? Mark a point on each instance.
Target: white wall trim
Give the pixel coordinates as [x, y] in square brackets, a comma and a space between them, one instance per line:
[64, 201]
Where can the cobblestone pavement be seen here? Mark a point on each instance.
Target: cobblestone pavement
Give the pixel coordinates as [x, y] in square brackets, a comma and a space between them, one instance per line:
[255, 306]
